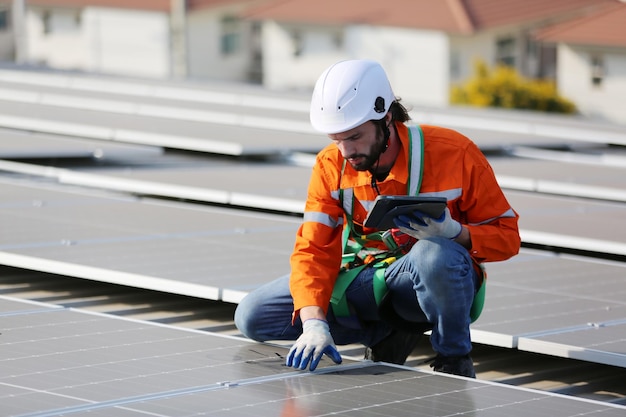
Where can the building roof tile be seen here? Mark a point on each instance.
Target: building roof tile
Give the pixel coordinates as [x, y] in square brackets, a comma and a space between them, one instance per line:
[452, 16]
[495, 13]
[604, 28]
[447, 15]
[597, 22]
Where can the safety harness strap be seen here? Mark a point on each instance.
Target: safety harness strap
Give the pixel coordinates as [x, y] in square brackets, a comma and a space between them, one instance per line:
[354, 243]
[479, 297]
[338, 298]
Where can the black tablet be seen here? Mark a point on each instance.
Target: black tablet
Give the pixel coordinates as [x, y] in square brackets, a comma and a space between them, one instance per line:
[386, 207]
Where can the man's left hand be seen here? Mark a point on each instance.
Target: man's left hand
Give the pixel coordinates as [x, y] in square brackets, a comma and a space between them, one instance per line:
[421, 226]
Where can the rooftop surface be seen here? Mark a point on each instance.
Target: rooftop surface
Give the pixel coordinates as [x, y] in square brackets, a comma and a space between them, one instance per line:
[123, 183]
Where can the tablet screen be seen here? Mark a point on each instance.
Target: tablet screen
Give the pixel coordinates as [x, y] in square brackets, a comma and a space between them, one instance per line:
[386, 207]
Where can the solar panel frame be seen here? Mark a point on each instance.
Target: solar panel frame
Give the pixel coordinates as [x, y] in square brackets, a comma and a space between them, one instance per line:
[598, 342]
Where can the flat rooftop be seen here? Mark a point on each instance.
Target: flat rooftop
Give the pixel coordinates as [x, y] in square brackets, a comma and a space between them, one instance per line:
[178, 188]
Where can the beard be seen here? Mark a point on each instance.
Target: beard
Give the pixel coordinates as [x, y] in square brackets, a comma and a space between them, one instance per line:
[369, 160]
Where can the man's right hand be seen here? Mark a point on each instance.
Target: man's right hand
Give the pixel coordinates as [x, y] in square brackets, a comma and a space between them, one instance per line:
[421, 226]
[314, 342]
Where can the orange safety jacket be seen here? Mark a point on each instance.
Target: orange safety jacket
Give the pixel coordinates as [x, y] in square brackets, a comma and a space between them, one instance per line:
[453, 167]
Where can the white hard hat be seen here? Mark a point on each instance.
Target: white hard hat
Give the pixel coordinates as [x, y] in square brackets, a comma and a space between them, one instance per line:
[348, 94]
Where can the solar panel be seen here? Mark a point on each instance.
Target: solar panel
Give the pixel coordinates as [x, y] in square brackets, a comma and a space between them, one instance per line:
[600, 180]
[68, 362]
[28, 145]
[511, 125]
[535, 297]
[164, 106]
[235, 138]
[223, 254]
[570, 222]
[264, 186]
[191, 251]
[207, 92]
[545, 219]
[597, 341]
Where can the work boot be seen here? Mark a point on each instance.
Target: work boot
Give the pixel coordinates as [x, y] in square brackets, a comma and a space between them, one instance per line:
[456, 365]
[394, 348]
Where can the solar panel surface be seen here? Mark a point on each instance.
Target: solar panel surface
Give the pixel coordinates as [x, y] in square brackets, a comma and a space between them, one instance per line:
[185, 250]
[69, 362]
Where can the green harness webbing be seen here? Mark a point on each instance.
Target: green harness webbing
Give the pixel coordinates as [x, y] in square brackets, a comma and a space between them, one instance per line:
[338, 299]
[479, 299]
[351, 248]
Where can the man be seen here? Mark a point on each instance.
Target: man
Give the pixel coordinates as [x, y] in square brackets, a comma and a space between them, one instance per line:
[424, 274]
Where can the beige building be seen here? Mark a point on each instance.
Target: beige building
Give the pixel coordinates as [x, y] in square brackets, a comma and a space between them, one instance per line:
[145, 38]
[591, 52]
[426, 46]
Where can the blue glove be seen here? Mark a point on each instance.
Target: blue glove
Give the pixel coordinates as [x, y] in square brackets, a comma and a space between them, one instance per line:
[420, 225]
[314, 342]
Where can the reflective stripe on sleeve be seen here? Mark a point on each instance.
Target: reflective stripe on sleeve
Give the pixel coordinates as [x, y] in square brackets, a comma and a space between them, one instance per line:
[448, 194]
[506, 214]
[322, 218]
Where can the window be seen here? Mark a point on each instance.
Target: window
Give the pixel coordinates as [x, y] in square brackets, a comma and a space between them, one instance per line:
[311, 41]
[455, 65]
[4, 19]
[298, 43]
[505, 51]
[338, 40]
[597, 70]
[60, 20]
[231, 37]
[46, 20]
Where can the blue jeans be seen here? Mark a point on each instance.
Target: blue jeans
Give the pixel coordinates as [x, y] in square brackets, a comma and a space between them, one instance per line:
[434, 283]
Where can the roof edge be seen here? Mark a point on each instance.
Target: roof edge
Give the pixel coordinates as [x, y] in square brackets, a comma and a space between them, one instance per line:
[461, 15]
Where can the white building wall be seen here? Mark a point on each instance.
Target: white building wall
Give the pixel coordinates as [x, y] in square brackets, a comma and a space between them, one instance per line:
[7, 45]
[415, 61]
[204, 37]
[127, 42]
[54, 37]
[574, 81]
[96, 39]
[283, 68]
[466, 50]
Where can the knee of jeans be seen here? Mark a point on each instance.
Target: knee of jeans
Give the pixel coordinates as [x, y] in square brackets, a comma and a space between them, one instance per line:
[245, 321]
[429, 255]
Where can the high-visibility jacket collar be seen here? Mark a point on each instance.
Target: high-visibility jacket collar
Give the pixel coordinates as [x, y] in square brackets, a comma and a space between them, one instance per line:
[352, 178]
